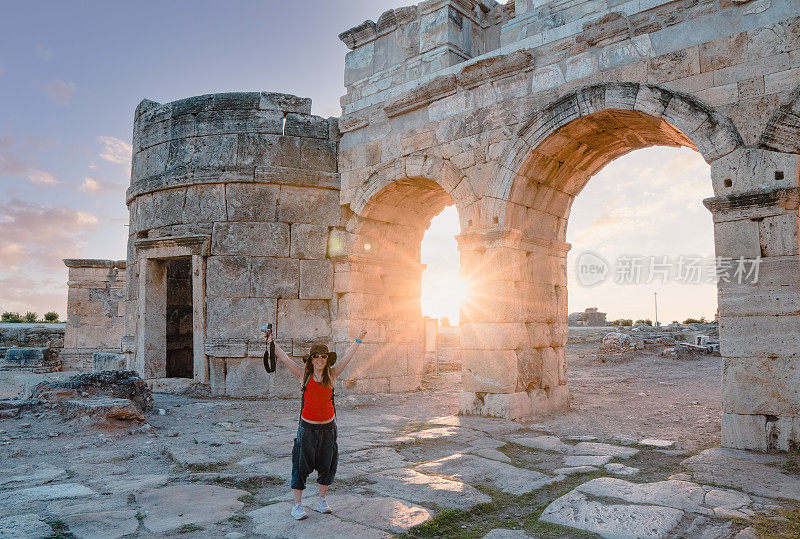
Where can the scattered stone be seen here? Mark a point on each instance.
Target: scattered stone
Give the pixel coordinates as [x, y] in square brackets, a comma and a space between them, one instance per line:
[44, 493]
[169, 508]
[195, 459]
[576, 511]
[593, 448]
[620, 469]
[574, 470]
[100, 409]
[21, 526]
[553, 443]
[421, 488]
[276, 521]
[750, 472]
[30, 475]
[658, 444]
[133, 484]
[454, 434]
[579, 438]
[489, 453]
[116, 384]
[473, 469]
[624, 440]
[99, 504]
[680, 477]
[374, 459]
[109, 524]
[587, 460]
[747, 533]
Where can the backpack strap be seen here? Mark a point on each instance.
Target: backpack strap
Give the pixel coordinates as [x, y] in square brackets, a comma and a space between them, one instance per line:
[269, 357]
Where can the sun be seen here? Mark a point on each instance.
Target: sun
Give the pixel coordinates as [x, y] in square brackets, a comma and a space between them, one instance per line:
[443, 289]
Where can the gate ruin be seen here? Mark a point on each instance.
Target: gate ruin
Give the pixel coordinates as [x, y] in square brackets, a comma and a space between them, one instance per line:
[505, 111]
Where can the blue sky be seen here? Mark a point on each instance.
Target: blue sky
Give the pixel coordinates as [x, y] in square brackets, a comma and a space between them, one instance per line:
[72, 73]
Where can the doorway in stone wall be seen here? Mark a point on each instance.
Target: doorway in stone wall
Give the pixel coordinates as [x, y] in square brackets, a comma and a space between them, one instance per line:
[179, 318]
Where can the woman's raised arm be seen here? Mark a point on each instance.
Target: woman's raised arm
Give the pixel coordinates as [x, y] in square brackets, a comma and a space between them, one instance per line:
[348, 355]
[296, 369]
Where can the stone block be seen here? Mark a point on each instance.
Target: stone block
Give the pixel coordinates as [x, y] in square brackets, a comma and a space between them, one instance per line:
[319, 155]
[760, 336]
[232, 347]
[308, 241]
[548, 401]
[503, 405]
[550, 376]
[723, 52]
[246, 377]
[228, 276]
[275, 277]
[316, 279]
[489, 371]
[284, 103]
[378, 361]
[251, 202]
[401, 384]
[733, 239]
[306, 125]
[356, 281]
[239, 317]
[355, 305]
[366, 386]
[558, 334]
[263, 149]
[760, 386]
[303, 318]
[744, 431]
[108, 361]
[778, 235]
[308, 205]
[494, 336]
[251, 239]
[529, 369]
[539, 334]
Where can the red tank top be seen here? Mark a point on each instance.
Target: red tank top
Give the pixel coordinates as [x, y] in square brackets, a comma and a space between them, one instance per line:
[318, 404]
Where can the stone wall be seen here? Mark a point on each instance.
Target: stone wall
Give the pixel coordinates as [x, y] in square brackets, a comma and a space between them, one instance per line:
[246, 185]
[95, 311]
[31, 336]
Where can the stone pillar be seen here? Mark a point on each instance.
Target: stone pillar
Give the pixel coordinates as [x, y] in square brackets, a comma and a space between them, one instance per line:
[151, 354]
[513, 325]
[758, 270]
[95, 311]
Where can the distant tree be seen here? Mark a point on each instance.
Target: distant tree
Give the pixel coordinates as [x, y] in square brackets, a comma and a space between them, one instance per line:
[51, 316]
[701, 320]
[444, 322]
[622, 322]
[11, 317]
[645, 321]
[674, 321]
[30, 317]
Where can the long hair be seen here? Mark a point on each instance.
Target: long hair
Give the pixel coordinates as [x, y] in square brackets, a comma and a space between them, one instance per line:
[327, 373]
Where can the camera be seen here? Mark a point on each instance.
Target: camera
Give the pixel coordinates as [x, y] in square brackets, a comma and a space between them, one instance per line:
[267, 329]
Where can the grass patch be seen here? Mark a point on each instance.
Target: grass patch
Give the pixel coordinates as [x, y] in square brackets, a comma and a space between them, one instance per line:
[782, 524]
[59, 527]
[250, 484]
[247, 499]
[792, 463]
[140, 516]
[187, 528]
[237, 518]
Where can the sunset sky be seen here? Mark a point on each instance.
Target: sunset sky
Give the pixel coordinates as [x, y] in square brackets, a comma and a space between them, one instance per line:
[71, 75]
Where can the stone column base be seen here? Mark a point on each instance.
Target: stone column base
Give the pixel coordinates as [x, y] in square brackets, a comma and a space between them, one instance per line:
[760, 432]
[520, 405]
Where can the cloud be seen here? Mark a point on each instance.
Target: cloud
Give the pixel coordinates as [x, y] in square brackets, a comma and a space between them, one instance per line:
[60, 91]
[22, 294]
[39, 177]
[116, 150]
[39, 236]
[43, 53]
[98, 186]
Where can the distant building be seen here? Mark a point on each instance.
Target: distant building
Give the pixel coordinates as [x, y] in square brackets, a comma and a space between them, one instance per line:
[591, 317]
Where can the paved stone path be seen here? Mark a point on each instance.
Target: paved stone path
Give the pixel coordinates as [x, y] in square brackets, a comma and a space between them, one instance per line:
[220, 468]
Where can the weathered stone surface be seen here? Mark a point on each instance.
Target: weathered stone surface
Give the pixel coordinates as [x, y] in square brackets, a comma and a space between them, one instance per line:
[114, 384]
[388, 514]
[110, 524]
[169, 508]
[586, 460]
[101, 409]
[304, 318]
[308, 241]
[274, 277]
[316, 279]
[477, 470]
[416, 487]
[29, 475]
[276, 521]
[11, 498]
[373, 460]
[24, 526]
[576, 511]
[253, 239]
[749, 472]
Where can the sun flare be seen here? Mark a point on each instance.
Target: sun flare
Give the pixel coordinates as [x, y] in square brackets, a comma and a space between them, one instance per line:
[443, 289]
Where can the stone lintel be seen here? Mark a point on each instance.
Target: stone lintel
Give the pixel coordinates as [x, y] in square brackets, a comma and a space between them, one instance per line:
[509, 237]
[479, 72]
[173, 247]
[359, 35]
[787, 198]
[422, 95]
[93, 263]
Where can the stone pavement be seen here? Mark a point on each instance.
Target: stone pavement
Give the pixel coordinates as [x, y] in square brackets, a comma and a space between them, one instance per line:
[219, 468]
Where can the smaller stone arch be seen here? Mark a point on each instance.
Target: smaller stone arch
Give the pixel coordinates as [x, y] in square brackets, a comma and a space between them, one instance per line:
[782, 133]
[687, 121]
[434, 183]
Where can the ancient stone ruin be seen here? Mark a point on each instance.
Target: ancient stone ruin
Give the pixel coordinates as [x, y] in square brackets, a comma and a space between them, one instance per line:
[246, 209]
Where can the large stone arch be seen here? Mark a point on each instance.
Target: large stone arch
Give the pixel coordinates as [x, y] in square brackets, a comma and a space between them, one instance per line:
[377, 275]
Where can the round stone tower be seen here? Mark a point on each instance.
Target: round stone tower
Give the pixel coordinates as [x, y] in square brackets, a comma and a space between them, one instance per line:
[231, 202]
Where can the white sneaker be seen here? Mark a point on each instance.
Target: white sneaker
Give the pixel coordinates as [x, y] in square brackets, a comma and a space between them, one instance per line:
[298, 512]
[322, 506]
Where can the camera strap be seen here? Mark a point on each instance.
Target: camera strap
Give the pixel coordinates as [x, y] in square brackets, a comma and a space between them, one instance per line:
[269, 357]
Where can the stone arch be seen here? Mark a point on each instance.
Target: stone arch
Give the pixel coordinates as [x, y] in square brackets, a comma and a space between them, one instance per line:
[782, 133]
[377, 279]
[664, 117]
[436, 183]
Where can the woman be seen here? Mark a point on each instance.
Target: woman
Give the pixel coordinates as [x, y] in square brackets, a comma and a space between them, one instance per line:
[315, 447]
